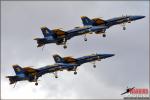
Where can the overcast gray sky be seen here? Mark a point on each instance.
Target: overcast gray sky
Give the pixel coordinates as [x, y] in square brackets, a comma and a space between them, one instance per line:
[21, 22]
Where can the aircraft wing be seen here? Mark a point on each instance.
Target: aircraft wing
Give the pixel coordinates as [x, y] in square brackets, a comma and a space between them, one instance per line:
[98, 21]
[59, 33]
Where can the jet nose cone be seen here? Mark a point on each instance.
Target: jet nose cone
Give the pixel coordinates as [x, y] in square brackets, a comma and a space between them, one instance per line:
[137, 17]
[107, 55]
[142, 16]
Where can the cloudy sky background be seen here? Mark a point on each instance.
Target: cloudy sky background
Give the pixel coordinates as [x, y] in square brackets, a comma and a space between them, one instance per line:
[21, 22]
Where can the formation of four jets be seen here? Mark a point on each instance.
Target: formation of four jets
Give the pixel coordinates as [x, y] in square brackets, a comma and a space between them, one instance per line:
[60, 37]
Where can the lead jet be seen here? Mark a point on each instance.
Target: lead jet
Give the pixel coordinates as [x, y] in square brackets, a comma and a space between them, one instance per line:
[79, 61]
[66, 63]
[95, 22]
[60, 37]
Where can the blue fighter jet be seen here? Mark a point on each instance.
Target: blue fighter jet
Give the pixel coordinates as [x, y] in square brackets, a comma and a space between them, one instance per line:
[79, 61]
[66, 63]
[95, 22]
[60, 37]
[31, 74]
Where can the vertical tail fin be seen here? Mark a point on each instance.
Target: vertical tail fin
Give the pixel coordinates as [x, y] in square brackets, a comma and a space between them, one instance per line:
[18, 70]
[86, 21]
[47, 32]
[57, 58]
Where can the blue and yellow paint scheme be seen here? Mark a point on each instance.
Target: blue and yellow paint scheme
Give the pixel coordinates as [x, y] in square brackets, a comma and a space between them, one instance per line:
[60, 37]
[79, 61]
[30, 74]
[96, 25]
[95, 22]
[62, 63]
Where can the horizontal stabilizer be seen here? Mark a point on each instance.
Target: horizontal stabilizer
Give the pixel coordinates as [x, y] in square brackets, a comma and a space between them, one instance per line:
[12, 79]
[40, 41]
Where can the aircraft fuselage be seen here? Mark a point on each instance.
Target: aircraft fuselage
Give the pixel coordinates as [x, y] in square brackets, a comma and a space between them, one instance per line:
[120, 20]
[68, 35]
